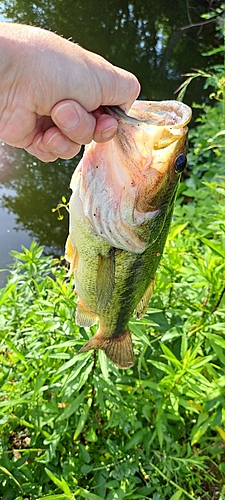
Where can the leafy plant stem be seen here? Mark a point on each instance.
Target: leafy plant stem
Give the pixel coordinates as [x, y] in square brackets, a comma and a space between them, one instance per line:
[178, 487]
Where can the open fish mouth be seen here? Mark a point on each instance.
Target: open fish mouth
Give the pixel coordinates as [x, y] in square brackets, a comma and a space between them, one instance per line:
[164, 121]
[158, 113]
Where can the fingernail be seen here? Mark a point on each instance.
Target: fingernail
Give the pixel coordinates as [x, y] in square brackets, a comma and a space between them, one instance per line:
[58, 143]
[109, 133]
[67, 116]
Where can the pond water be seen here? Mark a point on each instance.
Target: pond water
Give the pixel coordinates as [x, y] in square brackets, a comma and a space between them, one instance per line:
[156, 40]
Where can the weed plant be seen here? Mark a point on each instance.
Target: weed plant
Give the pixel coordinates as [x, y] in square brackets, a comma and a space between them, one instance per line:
[73, 425]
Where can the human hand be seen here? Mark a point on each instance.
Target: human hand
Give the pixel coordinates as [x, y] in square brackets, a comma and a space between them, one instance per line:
[52, 91]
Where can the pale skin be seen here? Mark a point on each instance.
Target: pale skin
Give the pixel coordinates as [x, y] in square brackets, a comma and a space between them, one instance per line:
[51, 91]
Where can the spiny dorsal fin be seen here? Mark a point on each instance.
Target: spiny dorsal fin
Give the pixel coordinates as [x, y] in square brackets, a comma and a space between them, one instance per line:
[83, 316]
[118, 349]
[143, 304]
[105, 278]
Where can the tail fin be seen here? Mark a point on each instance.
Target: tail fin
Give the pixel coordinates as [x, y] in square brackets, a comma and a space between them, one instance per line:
[118, 349]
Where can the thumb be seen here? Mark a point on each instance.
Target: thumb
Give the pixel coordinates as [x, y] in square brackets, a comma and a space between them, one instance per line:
[79, 125]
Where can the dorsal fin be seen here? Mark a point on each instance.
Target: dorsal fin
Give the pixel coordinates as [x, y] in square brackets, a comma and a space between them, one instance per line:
[143, 304]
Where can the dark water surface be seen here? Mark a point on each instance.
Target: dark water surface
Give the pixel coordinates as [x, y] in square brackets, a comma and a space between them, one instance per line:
[157, 40]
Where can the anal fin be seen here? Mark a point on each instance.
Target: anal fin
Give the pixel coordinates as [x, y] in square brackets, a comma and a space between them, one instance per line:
[105, 278]
[143, 304]
[83, 316]
[118, 349]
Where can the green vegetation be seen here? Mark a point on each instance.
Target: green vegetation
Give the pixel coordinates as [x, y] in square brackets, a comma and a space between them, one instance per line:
[74, 426]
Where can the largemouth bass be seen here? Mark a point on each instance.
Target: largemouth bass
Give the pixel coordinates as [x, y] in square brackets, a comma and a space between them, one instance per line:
[120, 212]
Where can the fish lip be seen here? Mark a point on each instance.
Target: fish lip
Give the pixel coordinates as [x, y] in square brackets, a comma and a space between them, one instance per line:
[120, 114]
[116, 110]
[181, 110]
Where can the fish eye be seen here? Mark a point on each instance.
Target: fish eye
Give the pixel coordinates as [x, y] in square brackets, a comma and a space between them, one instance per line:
[180, 163]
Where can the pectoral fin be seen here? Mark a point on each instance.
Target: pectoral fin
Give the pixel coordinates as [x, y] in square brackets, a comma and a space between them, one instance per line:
[105, 279]
[118, 349]
[71, 255]
[143, 304]
[83, 316]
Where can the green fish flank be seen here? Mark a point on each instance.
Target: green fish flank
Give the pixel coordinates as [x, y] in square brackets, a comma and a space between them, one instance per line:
[120, 213]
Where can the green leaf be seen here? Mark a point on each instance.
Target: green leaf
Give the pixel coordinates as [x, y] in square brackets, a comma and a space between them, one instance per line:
[66, 488]
[136, 439]
[4, 293]
[85, 455]
[82, 420]
[84, 375]
[86, 494]
[170, 356]
[8, 473]
[162, 366]
[12, 346]
[216, 247]
[219, 327]
[171, 334]
[200, 432]
[54, 497]
[176, 495]
[72, 407]
[218, 339]
[69, 363]
[219, 351]
[91, 435]
[200, 362]
[85, 469]
[159, 431]
[14, 402]
[176, 229]
[80, 368]
[104, 364]
[184, 345]
[60, 483]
